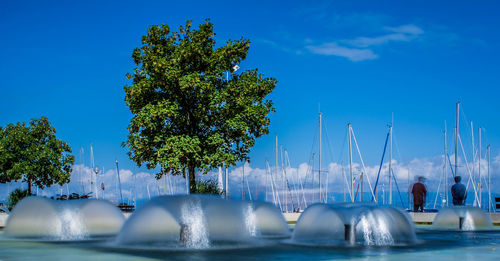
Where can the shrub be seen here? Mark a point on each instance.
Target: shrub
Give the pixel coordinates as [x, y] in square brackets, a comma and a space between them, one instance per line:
[208, 187]
[16, 196]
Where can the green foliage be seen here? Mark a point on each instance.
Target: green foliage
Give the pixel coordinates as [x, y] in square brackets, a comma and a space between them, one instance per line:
[207, 187]
[32, 153]
[16, 196]
[186, 115]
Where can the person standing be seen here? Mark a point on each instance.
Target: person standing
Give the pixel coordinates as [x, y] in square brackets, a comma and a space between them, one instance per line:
[419, 192]
[458, 192]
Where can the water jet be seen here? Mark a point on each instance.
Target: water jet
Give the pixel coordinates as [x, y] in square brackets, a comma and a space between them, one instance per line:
[42, 218]
[352, 224]
[199, 221]
[462, 218]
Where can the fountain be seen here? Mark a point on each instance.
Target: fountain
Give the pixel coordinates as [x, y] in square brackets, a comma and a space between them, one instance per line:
[210, 228]
[352, 224]
[462, 218]
[42, 218]
[198, 222]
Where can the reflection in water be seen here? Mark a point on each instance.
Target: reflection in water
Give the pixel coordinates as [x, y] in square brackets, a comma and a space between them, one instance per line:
[432, 245]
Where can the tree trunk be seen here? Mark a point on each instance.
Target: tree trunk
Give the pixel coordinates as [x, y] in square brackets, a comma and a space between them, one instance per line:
[192, 179]
[29, 186]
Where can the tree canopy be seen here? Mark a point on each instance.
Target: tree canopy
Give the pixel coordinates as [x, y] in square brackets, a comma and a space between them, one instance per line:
[190, 110]
[32, 153]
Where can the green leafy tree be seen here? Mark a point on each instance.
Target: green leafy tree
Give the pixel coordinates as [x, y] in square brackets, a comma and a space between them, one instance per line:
[32, 153]
[208, 186]
[186, 114]
[17, 195]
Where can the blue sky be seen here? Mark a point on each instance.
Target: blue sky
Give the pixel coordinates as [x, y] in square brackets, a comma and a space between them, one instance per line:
[359, 61]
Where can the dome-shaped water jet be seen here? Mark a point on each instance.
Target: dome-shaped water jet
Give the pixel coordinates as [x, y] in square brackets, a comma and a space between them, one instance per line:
[198, 222]
[351, 224]
[42, 218]
[462, 218]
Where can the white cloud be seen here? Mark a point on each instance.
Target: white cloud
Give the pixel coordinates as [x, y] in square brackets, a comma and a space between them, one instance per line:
[403, 33]
[383, 39]
[356, 49]
[408, 29]
[142, 185]
[334, 49]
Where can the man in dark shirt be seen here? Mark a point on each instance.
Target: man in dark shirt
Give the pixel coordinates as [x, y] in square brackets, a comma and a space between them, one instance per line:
[419, 194]
[458, 192]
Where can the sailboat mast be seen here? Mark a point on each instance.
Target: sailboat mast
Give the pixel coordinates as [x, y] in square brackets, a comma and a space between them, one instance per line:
[319, 168]
[96, 171]
[186, 177]
[473, 161]
[220, 182]
[390, 165]
[285, 181]
[267, 183]
[312, 179]
[119, 182]
[445, 167]
[102, 184]
[456, 138]
[80, 172]
[248, 187]
[350, 163]
[243, 182]
[91, 168]
[409, 189]
[489, 180]
[226, 176]
[135, 192]
[344, 179]
[277, 172]
[479, 169]
[361, 181]
[165, 187]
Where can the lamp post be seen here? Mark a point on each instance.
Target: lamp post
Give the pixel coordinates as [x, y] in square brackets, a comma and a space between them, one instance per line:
[226, 189]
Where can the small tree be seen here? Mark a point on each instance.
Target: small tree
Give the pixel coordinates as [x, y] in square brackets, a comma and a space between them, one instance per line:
[16, 196]
[32, 153]
[186, 114]
[208, 187]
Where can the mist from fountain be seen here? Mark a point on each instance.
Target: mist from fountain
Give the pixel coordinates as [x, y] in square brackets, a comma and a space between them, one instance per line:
[195, 234]
[200, 222]
[71, 224]
[353, 224]
[375, 235]
[462, 218]
[251, 220]
[42, 218]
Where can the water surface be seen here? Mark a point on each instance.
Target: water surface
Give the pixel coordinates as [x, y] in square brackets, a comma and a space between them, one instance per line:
[432, 245]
